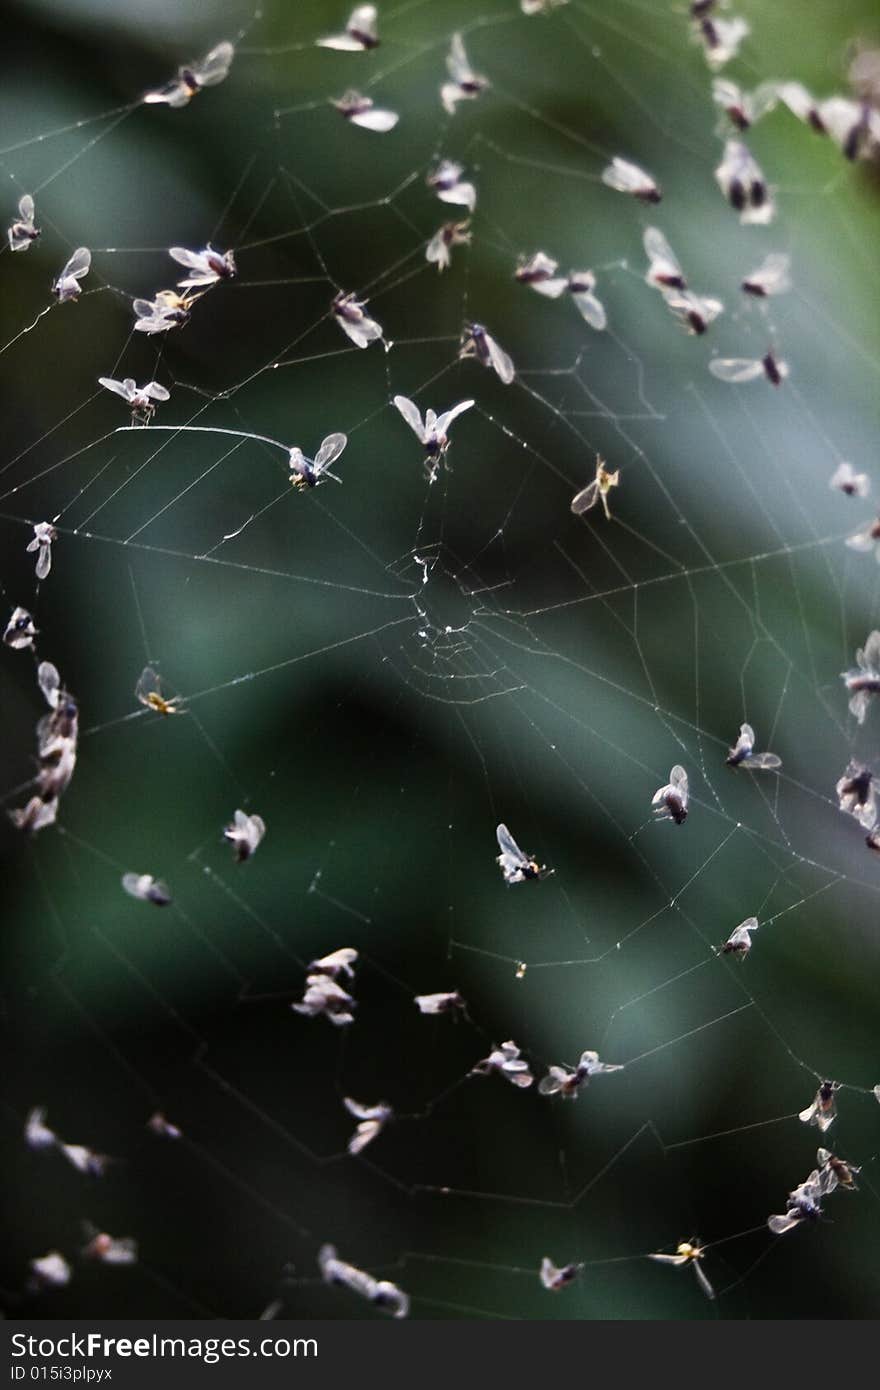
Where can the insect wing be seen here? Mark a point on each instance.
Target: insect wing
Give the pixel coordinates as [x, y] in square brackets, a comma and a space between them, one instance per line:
[586, 498]
[763, 762]
[214, 66]
[736, 369]
[329, 451]
[411, 414]
[508, 846]
[500, 362]
[669, 1259]
[446, 419]
[702, 1280]
[457, 64]
[78, 265]
[125, 389]
[375, 119]
[156, 391]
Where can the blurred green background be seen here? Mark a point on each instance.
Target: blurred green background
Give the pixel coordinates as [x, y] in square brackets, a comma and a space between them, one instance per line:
[324, 693]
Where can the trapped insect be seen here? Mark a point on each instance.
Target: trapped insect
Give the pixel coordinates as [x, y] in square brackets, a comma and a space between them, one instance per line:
[360, 32]
[507, 1062]
[45, 536]
[110, 1250]
[147, 889]
[324, 998]
[67, 285]
[664, 271]
[448, 1003]
[449, 186]
[142, 399]
[149, 691]
[596, 491]
[464, 84]
[159, 1125]
[432, 432]
[193, 77]
[694, 312]
[742, 753]
[359, 327]
[688, 1252]
[742, 109]
[245, 834]
[629, 178]
[373, 1119]
[671, 802]
[540, 273]
[741, 181]
[439, 249]
[306, 472]
[739, 943]
[20, 631]
[556, 1277]
[566, 1081]
[836, 1172]
[770, 277]
[380, 1292]
[362, 111]
[845, 479]
[738, 370]
[207, 267]
[720, 38]
[803, 1204]
[854, 126]
[338, 963]
[856, 796]
[863, 680]
[22, 232]
[85, 1160]
[822, 1111]
[476, 342]
[167, 310]
[516, 866]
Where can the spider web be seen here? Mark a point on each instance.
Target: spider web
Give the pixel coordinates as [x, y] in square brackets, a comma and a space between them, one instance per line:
[387, 669]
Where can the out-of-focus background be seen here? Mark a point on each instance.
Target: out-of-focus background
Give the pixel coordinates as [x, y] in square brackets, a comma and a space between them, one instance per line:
[385, 670]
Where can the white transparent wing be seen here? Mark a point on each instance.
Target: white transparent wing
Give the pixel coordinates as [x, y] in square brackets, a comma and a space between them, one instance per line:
[780, 1224]
[586, 498]
[767, 762]
[507, 844]
[26, 208]
[461, 194]
[678, 779]
[872, 650]
[411, 414]
[121, 388]
[735, 369]
[78, 265]
[361, 1112]
[156, 391]
[377, 120]
[49, 682]
[446, 419]
[214, 66]
[661, 255]
[669, 1259]
[591, 309]
[552, 1082]
[148, 684]
[702, 1280]
[330, 450]
[44, 561]
[457, 64]
[342, 43]
[193, 260]
[500, 361]
[746, 736]
[622, 177]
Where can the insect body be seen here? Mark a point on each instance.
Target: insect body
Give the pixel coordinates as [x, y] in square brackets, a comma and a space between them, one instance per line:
[149, 691]
[476, 342]
[305, 472]
[671, 802]
[142, 399]
[360, 32]
[67, 285]
[743, 754]
[688, 1252]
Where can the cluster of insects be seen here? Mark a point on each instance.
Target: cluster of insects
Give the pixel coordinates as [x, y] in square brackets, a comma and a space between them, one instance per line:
[854, 126]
